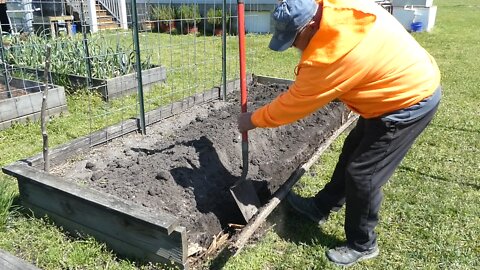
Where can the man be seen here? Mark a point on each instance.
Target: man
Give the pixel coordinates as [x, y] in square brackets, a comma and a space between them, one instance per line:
[354, 51]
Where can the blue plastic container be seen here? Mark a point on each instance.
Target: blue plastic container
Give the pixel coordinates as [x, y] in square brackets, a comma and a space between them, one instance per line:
[74, 29]
[416, 26]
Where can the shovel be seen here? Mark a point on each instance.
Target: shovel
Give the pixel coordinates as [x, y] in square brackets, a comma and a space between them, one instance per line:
[243, 190]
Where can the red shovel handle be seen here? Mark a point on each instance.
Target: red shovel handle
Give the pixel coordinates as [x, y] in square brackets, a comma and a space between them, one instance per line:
[243, 66]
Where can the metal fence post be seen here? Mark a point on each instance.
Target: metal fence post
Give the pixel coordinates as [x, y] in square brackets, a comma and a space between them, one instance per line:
[224, 49]
[136, 44]
[88, 60]
[4, 65]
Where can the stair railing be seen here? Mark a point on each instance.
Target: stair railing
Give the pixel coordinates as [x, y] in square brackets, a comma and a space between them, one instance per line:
[118, 9]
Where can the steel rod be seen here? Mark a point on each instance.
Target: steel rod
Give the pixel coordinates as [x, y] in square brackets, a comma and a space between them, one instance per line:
[4, 64]
[43, 112]
[224, 49]
[136, 44]
[88, 60]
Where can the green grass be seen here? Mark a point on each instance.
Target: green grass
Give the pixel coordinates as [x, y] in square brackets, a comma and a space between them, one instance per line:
[429, 219]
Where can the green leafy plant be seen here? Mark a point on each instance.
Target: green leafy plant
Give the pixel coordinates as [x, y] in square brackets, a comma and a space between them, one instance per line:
[6, 200]
[214, 17]
[68, 56]
[190, 14]
[164, 16]
[163, 13]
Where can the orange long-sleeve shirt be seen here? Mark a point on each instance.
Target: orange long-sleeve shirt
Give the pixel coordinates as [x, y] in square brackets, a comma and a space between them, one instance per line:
[361, 55]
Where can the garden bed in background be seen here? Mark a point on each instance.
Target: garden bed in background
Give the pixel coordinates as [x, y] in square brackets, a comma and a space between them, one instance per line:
[109, 88]
[25, 101]
[165, 196]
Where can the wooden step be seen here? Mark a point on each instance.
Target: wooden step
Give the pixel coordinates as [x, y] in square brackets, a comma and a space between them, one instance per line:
[105, 19]
[101, 13]
[110, 25]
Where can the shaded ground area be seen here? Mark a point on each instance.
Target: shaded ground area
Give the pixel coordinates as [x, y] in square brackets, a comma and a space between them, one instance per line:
[186, 164]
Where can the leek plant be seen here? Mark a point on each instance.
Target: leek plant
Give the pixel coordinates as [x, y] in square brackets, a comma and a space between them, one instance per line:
[69, 57]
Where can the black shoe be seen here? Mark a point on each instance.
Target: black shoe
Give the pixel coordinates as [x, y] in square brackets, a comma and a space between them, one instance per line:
[307, 207]
[346, 256]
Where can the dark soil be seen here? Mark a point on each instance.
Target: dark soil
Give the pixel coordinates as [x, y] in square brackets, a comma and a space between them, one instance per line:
[14, 92]
[186, 164]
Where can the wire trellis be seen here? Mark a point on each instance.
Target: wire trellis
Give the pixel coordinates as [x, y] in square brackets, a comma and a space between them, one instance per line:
[122, 60]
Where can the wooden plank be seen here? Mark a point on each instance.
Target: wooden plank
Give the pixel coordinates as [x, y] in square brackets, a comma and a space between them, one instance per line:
[265, 80]
[27, 104]
[126, 235]
[119, 86]
[102, 215]
[8, 110]
[154, 75]
[112, 132]
[30, 104]
[215, 93]
[121, 248]
[71, 148]
[31, 117]
[54, 183]
[63, 152]
[10, 262]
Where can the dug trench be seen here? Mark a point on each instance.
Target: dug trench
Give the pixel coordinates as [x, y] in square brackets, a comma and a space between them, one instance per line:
[186, 164]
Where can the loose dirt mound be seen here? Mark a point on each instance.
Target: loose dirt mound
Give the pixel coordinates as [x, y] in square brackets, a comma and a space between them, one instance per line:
[186, 164]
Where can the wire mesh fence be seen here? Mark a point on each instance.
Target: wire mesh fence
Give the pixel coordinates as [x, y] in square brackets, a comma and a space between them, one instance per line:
[118, 61]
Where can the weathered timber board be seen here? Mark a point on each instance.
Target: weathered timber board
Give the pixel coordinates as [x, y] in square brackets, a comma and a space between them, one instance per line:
[157, 115]
[33, 116]
[109, 88]
[10, 262]
[127, 84]
[28, 107]
[127, 228]
[63, 152]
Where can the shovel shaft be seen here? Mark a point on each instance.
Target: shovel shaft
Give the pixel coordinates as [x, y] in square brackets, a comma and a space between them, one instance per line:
[243, 190]
[244, 159]
[243, 62]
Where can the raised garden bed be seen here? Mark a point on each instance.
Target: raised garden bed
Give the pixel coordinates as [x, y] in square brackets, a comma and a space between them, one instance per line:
[108, 88]
[165, 196]
[24, 102]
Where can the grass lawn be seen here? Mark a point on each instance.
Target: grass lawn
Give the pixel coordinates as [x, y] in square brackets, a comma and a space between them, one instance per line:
[430, 218]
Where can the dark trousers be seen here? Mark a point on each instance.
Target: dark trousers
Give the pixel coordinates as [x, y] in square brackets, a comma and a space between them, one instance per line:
[371, 153]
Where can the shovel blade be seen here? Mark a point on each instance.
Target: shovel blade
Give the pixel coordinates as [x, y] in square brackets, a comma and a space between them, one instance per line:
[246, 198]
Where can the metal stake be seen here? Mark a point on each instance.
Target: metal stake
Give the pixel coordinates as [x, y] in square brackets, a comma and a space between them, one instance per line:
[136, 44]
[88, 60]
[224, 49]
[4, 64]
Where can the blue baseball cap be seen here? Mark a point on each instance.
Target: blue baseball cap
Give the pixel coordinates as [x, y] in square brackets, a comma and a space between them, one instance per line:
[289, 17]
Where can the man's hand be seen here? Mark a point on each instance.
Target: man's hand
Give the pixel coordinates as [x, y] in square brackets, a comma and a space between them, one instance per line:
[244, 122]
